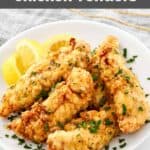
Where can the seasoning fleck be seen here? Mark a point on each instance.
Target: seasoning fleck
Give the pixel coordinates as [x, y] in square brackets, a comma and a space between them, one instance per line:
[93, 51]
[146, 95]
[43, 94]
[147, 121]
[108, 122]
[121, 140]
[95, 77]
[33, 73]
[14, 136]
[131, 60]
[114, 148]
[120, 71]
[6, 135]
[123, 145]
[21, 141]
[107, 147]
[126, 92]
[61, 125]
[102, 101]
[124, 109]
[39, 147]
[140, 108]
[125, 52]
[12, 117]
[83, 124]
[106, 108]
[27, 146]
[94, 126]
[46, 127]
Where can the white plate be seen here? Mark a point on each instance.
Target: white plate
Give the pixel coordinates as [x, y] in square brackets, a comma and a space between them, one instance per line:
[93, 33]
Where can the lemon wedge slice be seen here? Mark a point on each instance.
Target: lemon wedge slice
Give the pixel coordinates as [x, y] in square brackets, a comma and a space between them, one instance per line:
[27, 53]
[10, 71]
[57, 42]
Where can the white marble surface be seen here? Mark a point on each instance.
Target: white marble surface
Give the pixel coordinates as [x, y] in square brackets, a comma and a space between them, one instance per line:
[137, 23]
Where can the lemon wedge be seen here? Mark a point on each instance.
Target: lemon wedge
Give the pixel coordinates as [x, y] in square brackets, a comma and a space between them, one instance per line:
[57, 42]
[27, 53]
[10, 71]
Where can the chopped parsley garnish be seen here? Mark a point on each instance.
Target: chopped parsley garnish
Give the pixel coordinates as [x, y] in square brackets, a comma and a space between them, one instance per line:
[46, 127]
[127, 78]
[131, 60]
[53, 86]
[12, 87]
[53, 63]
[12, 117]
[33, 73]
[14, 136]
[94, 126]
[121, 140]
[106, 108]
[43, 94]
[95, 77]
[57, 64]
[113, 113]
[126, 92]
[24, 144]
[6, 135]
[27, 146]
[39, 147]
[123, 145]
[124, 109]
[147, 121]
[61, 125]
[120, 71]
[102, 86]
[102, 101]
[96, 66]
[93, 51]
[83, 124]
[148, 78]
[108, 122]
[114, 148]
[125, 52]
[140, 108]
[21, 141]
[146, 95]
[107, 147]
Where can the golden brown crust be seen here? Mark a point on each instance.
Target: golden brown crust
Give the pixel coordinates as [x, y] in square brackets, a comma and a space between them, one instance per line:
[62, 105]
[123, 87]
[92, 131]
[41, 77]
[92, 98]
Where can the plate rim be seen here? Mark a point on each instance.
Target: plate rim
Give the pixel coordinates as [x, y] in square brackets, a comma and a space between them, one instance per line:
[72, 21]
[36, 27]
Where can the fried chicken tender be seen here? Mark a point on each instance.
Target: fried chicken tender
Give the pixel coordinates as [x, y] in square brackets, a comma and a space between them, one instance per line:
[123, 86]
[92, 131]
[40, 78]
[99, 96]
[63, 103]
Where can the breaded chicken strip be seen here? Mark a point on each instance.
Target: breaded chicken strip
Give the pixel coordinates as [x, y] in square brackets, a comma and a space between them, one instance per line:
[42, 76]
[63, 103]
[92, 131]
[99, 96]
[123, 87]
